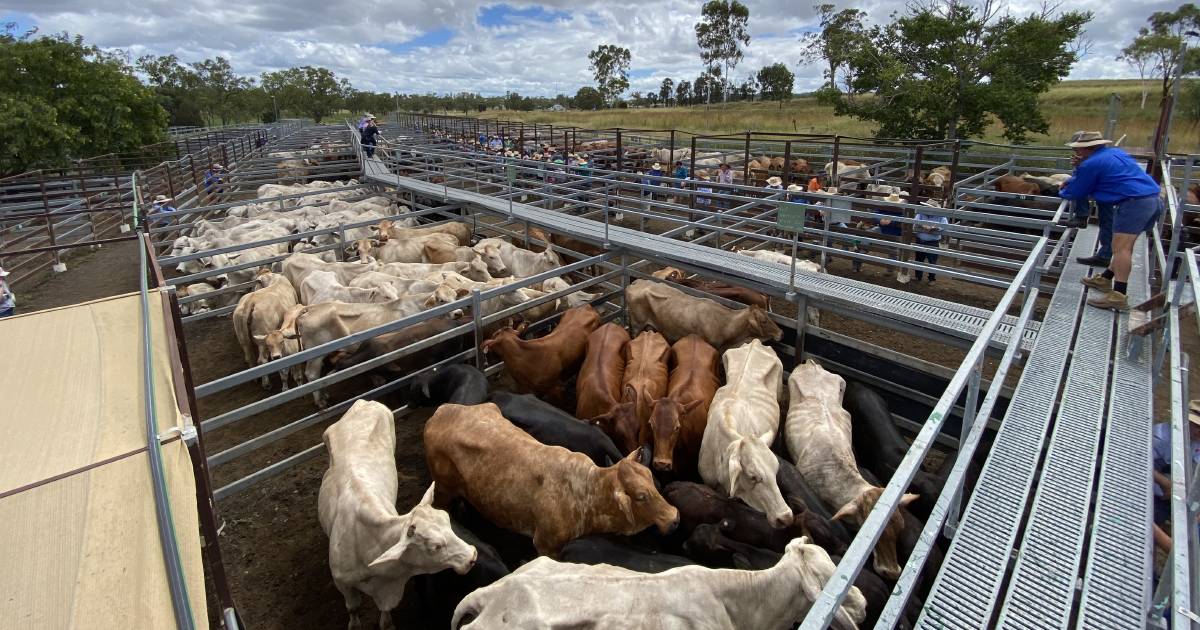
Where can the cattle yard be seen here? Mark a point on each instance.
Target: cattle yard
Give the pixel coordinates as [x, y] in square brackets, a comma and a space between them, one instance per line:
[1033, 410]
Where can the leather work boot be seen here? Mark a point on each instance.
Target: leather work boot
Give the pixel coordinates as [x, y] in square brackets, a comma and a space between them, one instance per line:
[1097, 282]
[1110, 300]
[1077, 222]
[1093, 261]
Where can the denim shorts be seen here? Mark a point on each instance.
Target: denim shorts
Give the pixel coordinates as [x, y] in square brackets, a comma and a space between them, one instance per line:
[1137, 215]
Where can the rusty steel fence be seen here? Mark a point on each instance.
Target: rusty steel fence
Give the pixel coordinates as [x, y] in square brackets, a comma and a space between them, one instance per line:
[47, 214]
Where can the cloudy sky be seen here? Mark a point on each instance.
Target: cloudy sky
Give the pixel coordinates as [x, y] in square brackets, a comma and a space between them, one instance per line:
[486, 47]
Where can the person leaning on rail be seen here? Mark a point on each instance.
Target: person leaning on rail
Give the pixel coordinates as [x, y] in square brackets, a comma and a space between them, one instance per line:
[1110, 175]
[8, 302]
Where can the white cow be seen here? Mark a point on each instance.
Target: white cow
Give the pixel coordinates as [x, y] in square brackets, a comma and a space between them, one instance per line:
[323, 286]
[504, 258]
[550, 594]
[818, 435]
[400, 286]
[578, 298]
[297, 266]
[476, 270]
[374, 550]
[735, 452]
[256, 315]
[781, 259]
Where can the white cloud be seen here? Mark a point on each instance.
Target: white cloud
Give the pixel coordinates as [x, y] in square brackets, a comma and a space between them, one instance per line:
[540, 47]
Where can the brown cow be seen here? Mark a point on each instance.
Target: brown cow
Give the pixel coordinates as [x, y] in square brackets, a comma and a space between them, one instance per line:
[1016, 185]
[546, 492]
[800, 166]
[646, 373]
[676, 315]
[749, 297]
[540, 366]
[678, 419]
[598, 389]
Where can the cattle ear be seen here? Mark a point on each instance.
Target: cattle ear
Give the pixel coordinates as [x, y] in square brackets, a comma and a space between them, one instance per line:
[908, 498]
[623, 502]
[629, 394]
[382, 564]
[431, 302]
[740, 562]
[522, 327]
[735, 471]
[690, 406]
[427, 500]
[461, 293]
[848, 511]
[634, 456]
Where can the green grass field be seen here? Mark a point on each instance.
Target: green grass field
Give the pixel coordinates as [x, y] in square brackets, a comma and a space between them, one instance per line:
[1069, 106]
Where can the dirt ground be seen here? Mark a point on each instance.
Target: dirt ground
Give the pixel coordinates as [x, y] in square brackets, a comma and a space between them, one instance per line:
[273, 547]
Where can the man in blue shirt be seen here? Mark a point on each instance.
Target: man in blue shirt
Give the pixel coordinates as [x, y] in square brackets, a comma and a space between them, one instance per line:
[1110, 175]
[928, 236]
[1161, 445]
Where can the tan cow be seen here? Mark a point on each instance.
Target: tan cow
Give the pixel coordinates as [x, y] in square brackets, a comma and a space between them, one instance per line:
[818, 435]
[256, 315]
[322, 323]
[646, 373]
[402, 250]
[735, 453]
[676, 315]
[550, 594]
[460, 231]
[374, 550]
[546, 492]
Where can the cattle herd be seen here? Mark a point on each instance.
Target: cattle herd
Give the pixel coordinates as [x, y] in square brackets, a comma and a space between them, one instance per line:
[660, 473]
[641, 476]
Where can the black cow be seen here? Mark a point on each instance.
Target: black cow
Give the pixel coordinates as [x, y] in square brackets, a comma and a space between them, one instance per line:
[550, 425]
[812, 516]
[710, 546]
[620, 552]
[459, 384]
[699, 504]
[439, 593]
[879, 447]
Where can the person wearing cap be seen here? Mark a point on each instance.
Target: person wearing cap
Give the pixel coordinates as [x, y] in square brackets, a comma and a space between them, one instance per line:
[370, 137]
[928, 236]
[649, 179]
[212, 178]
[1161, 446]
[160, 206]
[888, 227]
[1111, 176]
[362, 123]
[8, 302]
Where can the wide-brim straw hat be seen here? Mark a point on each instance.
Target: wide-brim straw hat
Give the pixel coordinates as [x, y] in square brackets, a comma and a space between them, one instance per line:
[932, 204]
[218, 167]
[656, 166]
[162, 198]
[1083, 139]
[794, 188]
[894, 198]
[3, 272]
[774, 181]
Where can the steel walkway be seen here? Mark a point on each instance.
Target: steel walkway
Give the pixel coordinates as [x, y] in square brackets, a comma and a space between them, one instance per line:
[945, 317]
[1077, 343]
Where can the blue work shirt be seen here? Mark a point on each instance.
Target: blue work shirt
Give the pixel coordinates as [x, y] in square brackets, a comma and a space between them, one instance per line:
[1109, 175]
[681, 172]
[895, 228]
[932, 236]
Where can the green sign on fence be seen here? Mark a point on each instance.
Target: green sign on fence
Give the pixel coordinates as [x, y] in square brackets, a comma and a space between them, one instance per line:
[790, 216]
[510, 172]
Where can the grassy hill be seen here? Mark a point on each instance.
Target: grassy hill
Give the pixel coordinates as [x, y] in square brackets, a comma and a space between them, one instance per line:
[1069, 106]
